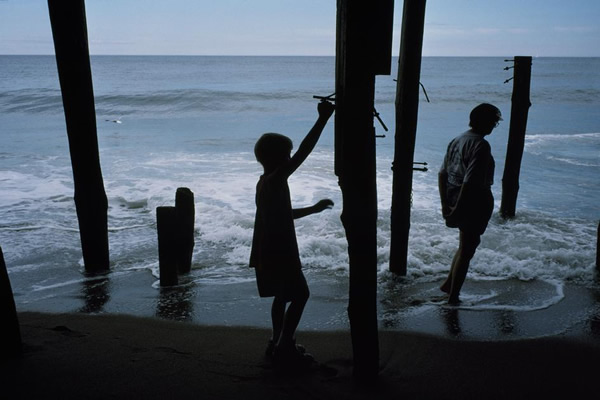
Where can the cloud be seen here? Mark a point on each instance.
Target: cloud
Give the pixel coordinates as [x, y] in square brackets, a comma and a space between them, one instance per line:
[575, 29]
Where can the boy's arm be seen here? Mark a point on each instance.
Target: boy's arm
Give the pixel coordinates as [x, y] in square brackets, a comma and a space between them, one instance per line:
[442, 187]
[320, 206]
[325, 109]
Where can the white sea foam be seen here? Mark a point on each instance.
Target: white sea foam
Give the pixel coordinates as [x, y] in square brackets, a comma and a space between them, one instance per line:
[492, 301]
[18, 187]
[579, 150]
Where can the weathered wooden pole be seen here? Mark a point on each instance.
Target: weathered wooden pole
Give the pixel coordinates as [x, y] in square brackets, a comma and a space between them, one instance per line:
[598, 249]
[407, 108]
[184, 206]
[73, 62]
[363, 35]
[166, 228]
[516, 136]
[11, 333]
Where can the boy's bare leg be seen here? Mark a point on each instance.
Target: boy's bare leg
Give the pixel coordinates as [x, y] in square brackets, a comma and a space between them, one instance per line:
[466, 251]
[448, 282]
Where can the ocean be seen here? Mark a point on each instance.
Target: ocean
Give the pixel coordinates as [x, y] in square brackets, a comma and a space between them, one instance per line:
[166, 122]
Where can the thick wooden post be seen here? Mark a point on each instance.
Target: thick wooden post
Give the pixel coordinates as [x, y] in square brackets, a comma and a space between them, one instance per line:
[516, 136]
[407, 108]
[11, 333]
[360, 55]
[166, 228]
[598, 249]
[73, 61]
[184, 205]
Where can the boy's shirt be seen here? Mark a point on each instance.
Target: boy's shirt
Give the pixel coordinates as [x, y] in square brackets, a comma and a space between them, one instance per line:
[468, 159]
[274, 245]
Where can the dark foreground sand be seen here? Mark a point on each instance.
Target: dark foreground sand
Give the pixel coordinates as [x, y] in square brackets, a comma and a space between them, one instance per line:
[79, 356]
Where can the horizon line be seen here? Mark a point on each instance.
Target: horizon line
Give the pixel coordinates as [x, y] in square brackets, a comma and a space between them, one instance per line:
[289, 55]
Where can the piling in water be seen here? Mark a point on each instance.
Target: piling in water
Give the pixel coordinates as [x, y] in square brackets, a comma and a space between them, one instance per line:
[184, 205]
[407, 108]
[516, 136]
[11, 333]
[69, 31]
[166, 227]
[362, 51]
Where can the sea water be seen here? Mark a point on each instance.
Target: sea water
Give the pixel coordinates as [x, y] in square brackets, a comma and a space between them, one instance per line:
[169, 122]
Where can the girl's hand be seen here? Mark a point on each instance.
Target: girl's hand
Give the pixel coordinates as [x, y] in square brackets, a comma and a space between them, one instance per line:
[323, 205]
[325, 109]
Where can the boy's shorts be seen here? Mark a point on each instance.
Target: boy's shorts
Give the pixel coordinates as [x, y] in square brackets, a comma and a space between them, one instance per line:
[285, 285]
[479, 214]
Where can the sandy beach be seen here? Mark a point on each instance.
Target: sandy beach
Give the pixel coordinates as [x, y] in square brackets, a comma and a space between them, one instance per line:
[81, 356]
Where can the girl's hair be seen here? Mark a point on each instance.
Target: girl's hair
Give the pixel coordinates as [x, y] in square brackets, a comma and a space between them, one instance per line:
[270, 147]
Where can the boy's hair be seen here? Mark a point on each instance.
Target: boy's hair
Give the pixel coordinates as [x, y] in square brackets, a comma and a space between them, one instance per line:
[483, 114]
[269, 148]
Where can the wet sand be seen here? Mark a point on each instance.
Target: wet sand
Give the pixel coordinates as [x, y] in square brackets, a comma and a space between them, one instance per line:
[81, 356]
[493, 310]
[122, 336]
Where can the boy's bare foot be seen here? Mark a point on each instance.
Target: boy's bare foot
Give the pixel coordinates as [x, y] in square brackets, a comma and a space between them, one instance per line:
[453, 301]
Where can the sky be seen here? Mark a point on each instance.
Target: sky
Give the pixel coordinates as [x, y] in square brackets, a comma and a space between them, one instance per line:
[306, 27]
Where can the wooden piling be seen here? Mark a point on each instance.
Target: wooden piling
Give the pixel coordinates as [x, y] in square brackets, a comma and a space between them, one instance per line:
[360, 56]
[598, 249]
[73, 62]
[166, 228]
[184, 205]
[11, 333]
[516, 136]
[407, 107]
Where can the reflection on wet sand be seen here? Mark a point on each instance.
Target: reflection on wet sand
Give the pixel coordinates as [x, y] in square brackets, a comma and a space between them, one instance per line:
[95, 291]
[176, 302]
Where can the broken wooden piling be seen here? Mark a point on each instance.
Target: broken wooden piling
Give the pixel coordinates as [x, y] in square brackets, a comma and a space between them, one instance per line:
[69, 31]
[166, 228]
[175, 230]
[516, 135]
[598, 248]
[11, 332]
[363, 35]
[184, 206]
[407, 107]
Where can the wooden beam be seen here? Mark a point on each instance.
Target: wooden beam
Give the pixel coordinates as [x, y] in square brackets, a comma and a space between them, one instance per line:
[69, 31]
[166, 229]
[516, 136]
[357, 63]
[11, 332]
[407, 108]
[185, 211]
[598, 248]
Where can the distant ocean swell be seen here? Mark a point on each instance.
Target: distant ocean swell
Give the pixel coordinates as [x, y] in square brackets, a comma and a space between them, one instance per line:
[45, 100]
[183, 101]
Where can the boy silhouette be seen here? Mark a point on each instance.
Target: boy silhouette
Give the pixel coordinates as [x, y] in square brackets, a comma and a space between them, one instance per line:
[465, 181]
[274, 254]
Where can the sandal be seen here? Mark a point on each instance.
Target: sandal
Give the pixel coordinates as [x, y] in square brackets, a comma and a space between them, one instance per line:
[271, 348]
[292, 357]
